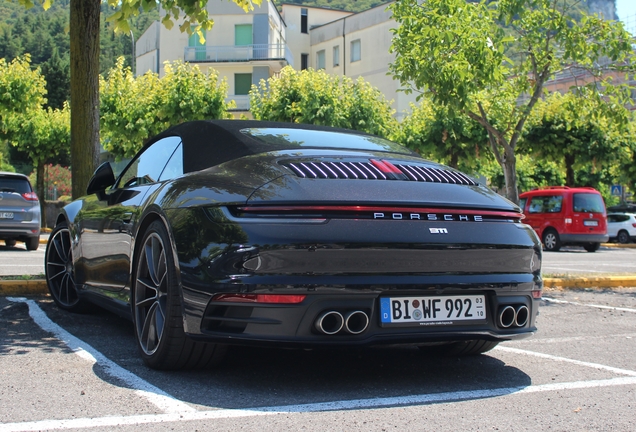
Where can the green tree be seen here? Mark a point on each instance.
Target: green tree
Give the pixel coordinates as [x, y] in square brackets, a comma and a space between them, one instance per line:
[575, 130]
[436, 133]
[315, 97]
[84, 57]
[135, 109]
[21, 88]
[460, 53]
[42, 134]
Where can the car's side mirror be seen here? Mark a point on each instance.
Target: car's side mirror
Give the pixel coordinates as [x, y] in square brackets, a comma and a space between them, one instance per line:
[101, 180]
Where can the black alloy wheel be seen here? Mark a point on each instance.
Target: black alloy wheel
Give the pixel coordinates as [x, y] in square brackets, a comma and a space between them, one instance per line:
[60, 270]
[157, 309]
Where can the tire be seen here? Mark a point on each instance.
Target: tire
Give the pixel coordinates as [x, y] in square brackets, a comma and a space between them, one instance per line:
[592, 247]
[33, 243]
[157, 311]
[551, 240]
[623, 237]
[462, 348]
[60, 270]
[10, 242]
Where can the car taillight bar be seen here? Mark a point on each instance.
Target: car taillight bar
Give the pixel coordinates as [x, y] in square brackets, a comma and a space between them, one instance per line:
[259, 298]
[30, 196]
[358, 209]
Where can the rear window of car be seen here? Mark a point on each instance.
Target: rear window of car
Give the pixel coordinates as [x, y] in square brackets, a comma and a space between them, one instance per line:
[18, 185]
[617, 218]
[303, 138]
[588, 203]
[546, 204]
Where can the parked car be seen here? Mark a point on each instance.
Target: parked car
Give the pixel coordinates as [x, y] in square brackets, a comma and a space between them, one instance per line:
[561, 215]
[246, 232]
[621, 227]
[19, 211]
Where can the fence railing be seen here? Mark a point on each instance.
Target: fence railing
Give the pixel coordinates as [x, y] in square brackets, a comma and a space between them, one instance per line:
[239, 53]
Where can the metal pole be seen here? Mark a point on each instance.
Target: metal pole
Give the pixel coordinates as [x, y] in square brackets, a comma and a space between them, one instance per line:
[134, 60]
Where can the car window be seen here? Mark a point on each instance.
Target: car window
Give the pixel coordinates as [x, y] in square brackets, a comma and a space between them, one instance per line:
[546, 204]
[147, 167]
[14, 185]
[174, 167]
[617, 218]
[588, 203]
[522, 203]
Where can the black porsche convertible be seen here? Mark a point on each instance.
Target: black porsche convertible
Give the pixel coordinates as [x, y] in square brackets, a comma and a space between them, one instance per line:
[245, 232]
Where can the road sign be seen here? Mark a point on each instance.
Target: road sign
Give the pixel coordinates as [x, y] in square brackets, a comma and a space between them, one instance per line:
[616, 190]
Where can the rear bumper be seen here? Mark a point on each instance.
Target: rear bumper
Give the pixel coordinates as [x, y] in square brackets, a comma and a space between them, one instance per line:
[296, 325]
[583, 238]
[21, 232]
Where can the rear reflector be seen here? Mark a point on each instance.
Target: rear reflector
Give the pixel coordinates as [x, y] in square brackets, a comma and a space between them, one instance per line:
[259, 298]
[537, 294]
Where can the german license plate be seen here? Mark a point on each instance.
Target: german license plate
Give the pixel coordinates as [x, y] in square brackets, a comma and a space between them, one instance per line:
[590, 223]
[443, 310]
[6, 215]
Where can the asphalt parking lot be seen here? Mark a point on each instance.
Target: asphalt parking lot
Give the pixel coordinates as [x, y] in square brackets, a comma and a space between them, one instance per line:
[62, 371]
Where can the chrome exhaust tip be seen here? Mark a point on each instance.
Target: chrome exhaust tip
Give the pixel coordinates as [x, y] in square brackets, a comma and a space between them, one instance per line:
[507, 316]
[521, 315]
[356, 322]
[330, 322]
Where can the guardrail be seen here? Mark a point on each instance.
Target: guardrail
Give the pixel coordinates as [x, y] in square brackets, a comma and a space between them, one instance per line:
[239, 53]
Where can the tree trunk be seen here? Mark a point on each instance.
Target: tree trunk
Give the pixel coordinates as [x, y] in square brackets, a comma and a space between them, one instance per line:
[509, 166]
[569, 170]
[84, 29]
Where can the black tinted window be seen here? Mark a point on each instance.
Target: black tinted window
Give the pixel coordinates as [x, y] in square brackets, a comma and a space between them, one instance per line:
[588, 203]
[298, 138]
[149, 165]
[617, 218]
[14, 185]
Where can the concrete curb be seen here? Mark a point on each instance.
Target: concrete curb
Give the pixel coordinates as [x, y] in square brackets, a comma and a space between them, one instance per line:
[590, 282]
[23, 287]
[36, 287]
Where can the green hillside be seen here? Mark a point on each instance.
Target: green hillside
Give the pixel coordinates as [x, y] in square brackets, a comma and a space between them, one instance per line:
[347, 5]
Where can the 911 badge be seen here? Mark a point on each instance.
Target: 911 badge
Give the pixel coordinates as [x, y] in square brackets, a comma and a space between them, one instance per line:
[438, 230]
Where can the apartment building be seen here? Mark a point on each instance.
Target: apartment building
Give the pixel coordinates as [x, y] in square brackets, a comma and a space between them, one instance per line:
[243, 47]
[247, 47]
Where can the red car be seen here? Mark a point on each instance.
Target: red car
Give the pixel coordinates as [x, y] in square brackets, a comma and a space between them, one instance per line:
[566, 216]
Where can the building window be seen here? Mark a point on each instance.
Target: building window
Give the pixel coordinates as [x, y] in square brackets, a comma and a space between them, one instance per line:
[303, 20]
[304, 59]
[356, 54]
[196, 47]
[242, 83]
[320, 59]
[243, 34]
[336, 56]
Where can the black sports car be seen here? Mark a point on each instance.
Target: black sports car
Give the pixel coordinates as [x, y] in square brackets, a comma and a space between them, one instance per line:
[247, 232]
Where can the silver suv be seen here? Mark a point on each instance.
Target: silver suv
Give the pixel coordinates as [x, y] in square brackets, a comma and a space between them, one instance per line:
[19, 211]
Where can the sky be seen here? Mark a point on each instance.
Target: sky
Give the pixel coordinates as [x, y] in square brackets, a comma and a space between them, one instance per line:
[626, 8]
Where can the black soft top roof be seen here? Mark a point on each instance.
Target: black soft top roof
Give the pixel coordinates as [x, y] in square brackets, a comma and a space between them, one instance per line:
[207, 143]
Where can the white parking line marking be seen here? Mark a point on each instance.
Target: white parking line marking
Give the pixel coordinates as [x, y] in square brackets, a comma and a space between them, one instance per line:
[308, 408]
[154, 395]
[552, 300]
[177, 411]
[567, 360]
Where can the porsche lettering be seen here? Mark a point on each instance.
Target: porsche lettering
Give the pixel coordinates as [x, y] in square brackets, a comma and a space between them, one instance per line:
[428, 216]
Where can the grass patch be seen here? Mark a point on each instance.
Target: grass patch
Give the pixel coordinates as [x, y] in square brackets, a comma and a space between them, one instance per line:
[24, 277]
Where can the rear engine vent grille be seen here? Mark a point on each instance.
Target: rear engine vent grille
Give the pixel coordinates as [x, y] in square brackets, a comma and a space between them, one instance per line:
[369, 171]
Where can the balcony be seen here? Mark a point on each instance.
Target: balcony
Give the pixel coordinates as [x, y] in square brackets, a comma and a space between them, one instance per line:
[242, 102]
[240, 53]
